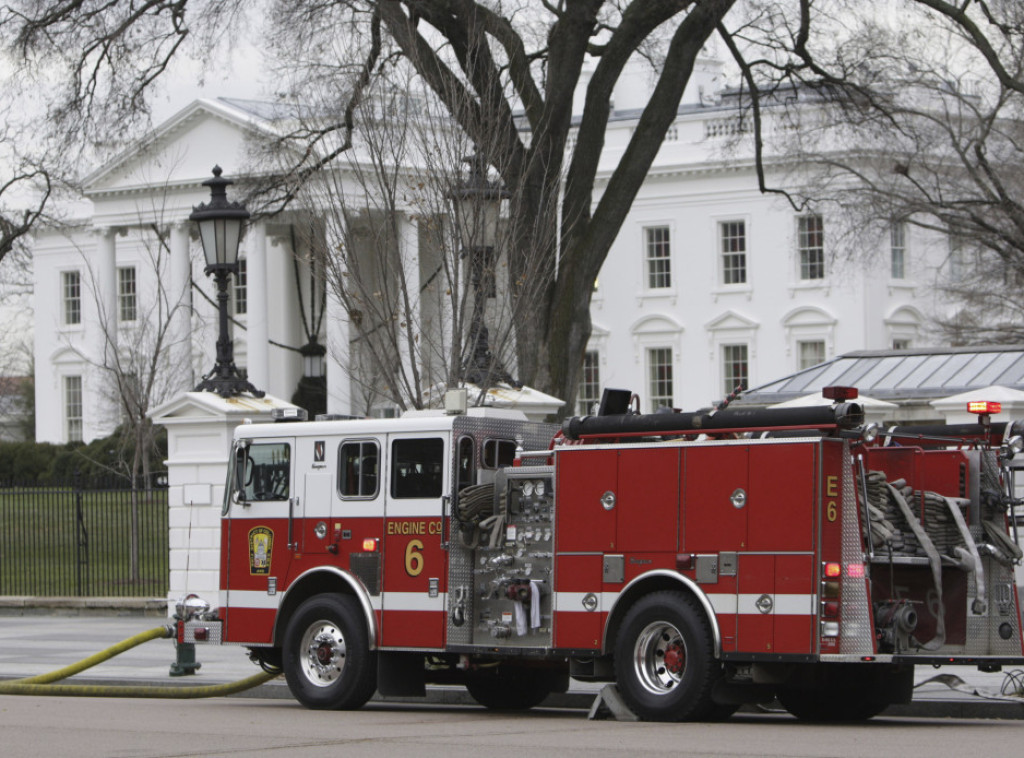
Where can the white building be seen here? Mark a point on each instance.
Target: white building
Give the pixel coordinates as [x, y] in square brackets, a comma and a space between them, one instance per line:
[709, 285]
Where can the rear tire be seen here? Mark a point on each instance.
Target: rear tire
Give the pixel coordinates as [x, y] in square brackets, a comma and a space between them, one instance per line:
[665, 666]
[327, 659]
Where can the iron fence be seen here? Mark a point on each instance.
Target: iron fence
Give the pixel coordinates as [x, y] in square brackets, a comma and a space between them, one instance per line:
[85, 539]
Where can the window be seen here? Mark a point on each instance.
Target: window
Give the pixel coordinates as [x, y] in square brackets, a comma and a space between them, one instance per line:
[73, 408]
[811, 247]
[735, 369]
[901, 344]
[498, 453]
[659, 263]
[127, 304]
[357, 469]
[417, 468]
[733, 235]
[659, 371]
[898, 250]
[465, 470]
[590, 384]
[241, 297]
[811, 353]
[71, 282]
[264, 471]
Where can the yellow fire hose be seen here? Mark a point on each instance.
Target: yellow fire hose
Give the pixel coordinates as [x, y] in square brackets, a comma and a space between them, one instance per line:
[42, 684]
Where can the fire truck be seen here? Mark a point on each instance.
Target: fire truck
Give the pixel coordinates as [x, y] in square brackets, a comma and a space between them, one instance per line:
[699, 561]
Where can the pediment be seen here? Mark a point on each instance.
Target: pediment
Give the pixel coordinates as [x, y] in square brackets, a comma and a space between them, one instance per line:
[731, 320]
[180, 151]
[656, 324]
[808, 315]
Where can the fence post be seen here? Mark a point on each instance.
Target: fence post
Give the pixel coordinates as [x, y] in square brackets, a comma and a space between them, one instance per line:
[81, 538]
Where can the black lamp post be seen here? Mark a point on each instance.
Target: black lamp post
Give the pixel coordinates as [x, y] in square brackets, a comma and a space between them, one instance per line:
[477, 205]
[311, 393]
[220, 230]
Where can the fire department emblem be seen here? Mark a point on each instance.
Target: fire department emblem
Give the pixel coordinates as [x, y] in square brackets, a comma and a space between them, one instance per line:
[261, 547]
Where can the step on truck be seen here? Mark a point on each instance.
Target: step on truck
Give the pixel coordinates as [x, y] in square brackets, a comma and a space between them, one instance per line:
[699, 561]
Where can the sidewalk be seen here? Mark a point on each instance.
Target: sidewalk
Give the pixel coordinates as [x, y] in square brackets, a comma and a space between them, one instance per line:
[41, 635]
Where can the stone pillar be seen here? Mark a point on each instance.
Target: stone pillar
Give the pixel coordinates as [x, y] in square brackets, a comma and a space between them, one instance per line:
[200, 426]
[179, 299]
[257, 334]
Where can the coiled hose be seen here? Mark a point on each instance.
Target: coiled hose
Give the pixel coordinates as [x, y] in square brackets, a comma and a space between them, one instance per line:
[43, 683]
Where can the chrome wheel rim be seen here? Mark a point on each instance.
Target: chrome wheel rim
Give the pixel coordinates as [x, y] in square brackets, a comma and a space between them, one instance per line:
[323, 652]
[659, 657]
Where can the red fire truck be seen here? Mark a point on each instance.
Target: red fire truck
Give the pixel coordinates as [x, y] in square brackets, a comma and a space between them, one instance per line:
[697, 560]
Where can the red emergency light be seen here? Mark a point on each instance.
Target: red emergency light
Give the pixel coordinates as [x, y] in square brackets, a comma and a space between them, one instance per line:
[982, 407]
[840, 394]
[369, 545]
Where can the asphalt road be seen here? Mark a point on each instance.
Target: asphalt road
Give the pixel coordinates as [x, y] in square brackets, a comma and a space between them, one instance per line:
[85, 727]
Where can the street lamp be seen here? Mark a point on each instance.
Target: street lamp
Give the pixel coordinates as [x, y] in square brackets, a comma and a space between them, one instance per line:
[477, 205]
[220, 230]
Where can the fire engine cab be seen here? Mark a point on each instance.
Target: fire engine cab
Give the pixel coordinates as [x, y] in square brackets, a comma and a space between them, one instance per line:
[697, 560]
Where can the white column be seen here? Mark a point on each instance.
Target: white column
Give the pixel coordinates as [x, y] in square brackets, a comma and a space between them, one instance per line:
[409, 254]
[104, 273]
[179, 298]
[336, 326]
[257, 335]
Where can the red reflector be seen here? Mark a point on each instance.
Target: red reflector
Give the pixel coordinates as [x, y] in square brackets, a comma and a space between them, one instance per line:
[855, 570]
[369, 545]
[830, 609]
[983, 406]
[840, 393]
[833, 570]
[684, 562]
[201, 633]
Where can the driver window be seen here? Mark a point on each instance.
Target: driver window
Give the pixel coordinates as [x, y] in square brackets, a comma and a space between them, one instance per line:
[266, 472]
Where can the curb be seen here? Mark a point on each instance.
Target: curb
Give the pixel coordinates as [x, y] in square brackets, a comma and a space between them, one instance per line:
[16, 605]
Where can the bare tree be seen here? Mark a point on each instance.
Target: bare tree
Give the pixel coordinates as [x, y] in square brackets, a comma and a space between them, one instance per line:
[909, 118]
[506, 73]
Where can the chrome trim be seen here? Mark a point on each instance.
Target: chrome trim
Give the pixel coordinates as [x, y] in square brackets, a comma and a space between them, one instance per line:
[709, 610]
[357, 589]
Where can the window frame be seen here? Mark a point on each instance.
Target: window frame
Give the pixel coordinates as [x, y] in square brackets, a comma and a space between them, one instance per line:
[127, 295]
[71, 303]
[729, 381]
[898, 251]
[590, 379]
[810, 247]
[74, 424]
[362, 442]
[801, 343]
[653, 382]
[397, 458]
[239, 289]
[664, 261]
[724, 255]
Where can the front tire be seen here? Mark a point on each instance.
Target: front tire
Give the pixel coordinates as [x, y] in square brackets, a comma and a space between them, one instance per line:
[327, 659]
[664, 659]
